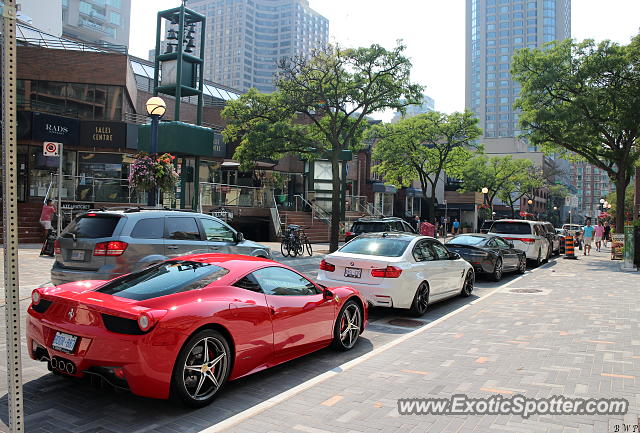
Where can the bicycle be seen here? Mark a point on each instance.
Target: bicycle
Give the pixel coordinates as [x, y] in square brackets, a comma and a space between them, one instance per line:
[295, 241]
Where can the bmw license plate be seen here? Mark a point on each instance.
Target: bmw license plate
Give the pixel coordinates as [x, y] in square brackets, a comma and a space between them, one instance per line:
[77, 255]
[64, 342]
[353, 272]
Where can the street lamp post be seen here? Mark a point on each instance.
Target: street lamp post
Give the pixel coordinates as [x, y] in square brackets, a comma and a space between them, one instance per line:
[529, 202]
[156, 108]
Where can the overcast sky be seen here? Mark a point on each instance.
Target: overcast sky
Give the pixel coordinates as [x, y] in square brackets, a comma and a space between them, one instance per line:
[433, 31]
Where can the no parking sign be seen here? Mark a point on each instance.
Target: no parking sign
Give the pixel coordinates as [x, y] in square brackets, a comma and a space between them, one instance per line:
[50, 148]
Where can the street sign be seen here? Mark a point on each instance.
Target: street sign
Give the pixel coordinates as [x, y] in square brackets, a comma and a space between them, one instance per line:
[49, 148]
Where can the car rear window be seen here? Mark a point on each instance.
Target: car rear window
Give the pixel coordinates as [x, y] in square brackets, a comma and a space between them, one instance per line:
[372, 227]
[93, 227]
[376, 247]
[467, 240]
[163, 279]
[511, 228]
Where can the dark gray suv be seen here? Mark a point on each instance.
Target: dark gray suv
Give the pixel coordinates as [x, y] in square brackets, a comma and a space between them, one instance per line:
[103, 245]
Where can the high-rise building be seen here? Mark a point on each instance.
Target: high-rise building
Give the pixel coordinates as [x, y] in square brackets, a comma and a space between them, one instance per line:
[495, 29]
[247, 38]
[102, 22]
[428, 104]
[591, 184]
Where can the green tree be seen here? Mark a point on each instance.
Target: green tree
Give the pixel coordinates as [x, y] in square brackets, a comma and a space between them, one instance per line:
[520, 184]
[499, 174]
[423, 147]
[628, 202]
[319, 108]
[583, 99]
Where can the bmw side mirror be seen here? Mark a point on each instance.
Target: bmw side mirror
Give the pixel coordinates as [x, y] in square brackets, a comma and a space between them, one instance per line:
[239, 237]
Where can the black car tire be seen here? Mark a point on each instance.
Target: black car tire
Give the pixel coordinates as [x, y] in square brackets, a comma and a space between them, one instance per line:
[350, 314]
[420, 303]
[467, 287]
[182, 381]
[496, 275]
[522, 265]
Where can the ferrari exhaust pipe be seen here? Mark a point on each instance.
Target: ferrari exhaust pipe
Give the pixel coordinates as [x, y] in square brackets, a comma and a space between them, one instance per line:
[70, 368]
[54, 363]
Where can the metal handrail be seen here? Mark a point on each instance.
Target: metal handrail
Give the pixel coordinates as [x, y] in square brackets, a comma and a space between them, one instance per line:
[316, 211]
[94, 183]
[279, 220]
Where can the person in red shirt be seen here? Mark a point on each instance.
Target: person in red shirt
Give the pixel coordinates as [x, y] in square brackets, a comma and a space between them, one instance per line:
[48, 210]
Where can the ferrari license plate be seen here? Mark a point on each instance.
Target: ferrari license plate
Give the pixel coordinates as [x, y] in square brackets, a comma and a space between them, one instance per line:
[353, 272]
[64, 342]
[77, 255]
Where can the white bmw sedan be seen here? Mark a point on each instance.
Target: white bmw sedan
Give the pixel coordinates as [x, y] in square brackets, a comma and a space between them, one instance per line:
[398, 270]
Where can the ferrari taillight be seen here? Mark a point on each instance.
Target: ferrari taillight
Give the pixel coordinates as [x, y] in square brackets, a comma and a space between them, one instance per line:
[36, 296]
[388, 272]
[145, 322]
[111, 248]
[324, 266]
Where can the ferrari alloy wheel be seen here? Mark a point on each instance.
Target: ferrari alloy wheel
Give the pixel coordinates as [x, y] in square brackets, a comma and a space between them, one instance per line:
[497, 270]
[347, 328]
[202, 368]
[467, 288]
[420, 300]
[522, 265]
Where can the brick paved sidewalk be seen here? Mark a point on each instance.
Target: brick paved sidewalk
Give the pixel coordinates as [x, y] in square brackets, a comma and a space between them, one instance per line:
[578, 337]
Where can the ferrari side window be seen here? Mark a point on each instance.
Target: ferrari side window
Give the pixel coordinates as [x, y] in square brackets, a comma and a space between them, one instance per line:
[249, 283]
[279, 281]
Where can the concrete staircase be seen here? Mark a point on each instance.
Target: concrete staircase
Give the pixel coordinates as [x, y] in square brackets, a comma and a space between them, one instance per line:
[317, 232]
[29, 228]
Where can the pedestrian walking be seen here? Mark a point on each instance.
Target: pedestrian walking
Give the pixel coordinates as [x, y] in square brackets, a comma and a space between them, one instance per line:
[456, 226]
[607, 233]
[587, 237]
[416, 223]
[46, 216]
[598, 234]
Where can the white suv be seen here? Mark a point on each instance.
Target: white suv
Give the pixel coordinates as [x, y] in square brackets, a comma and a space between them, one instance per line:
[528, 236]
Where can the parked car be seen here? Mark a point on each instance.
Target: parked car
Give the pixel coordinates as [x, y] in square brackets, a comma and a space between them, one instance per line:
[528, 236]
[552, 237]
[489, 254]
[398, 270]
[486, 226]
[106, 244]
[377, 225]
[572, 229]
[185, 326]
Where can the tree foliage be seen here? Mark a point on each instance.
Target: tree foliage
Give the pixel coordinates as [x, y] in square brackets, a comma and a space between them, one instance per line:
[320, 108]
[505, 177]
[421, 148]
[584, 99]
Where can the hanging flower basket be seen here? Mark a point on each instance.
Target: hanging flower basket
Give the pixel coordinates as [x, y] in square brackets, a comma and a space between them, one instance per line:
[153, 171]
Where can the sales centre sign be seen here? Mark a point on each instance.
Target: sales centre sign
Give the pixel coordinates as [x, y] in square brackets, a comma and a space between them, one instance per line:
[95, 133]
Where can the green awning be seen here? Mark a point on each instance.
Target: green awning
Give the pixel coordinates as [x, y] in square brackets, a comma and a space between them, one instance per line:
[183, 139]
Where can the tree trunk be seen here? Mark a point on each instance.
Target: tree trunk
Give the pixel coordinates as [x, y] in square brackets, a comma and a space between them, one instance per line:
[334, 233]
[621, 189]
[513, 210]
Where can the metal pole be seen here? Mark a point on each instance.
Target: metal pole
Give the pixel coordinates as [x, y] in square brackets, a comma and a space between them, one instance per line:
[10, 217]
[60, 175]
[155, 120]
[445, 220]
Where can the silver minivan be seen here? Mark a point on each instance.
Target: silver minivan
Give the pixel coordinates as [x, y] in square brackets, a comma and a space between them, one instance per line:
[105, 244]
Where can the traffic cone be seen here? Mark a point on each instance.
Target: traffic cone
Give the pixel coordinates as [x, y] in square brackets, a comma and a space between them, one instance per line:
[569, 251]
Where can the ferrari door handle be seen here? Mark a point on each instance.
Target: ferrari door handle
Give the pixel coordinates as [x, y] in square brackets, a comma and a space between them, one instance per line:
[272, 310]
[172, 247]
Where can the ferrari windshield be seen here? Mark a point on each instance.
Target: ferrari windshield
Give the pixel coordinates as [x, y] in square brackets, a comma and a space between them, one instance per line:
[165, 278]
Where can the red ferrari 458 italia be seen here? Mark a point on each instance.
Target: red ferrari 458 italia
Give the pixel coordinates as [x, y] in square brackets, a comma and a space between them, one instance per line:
[183, 327]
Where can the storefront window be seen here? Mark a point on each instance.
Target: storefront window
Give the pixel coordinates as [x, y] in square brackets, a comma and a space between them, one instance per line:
[101, 178]
[85, 101]
[42, 172]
